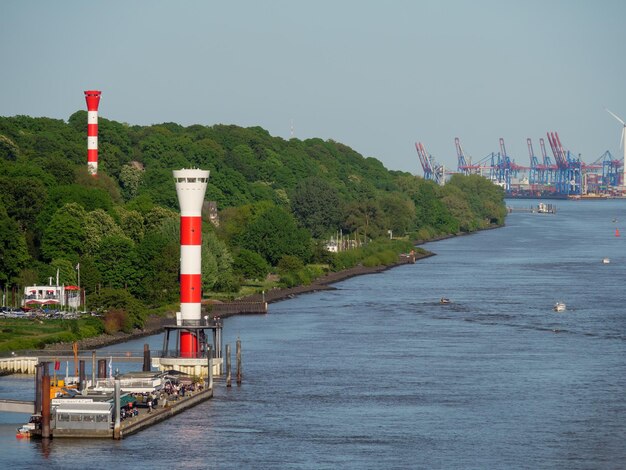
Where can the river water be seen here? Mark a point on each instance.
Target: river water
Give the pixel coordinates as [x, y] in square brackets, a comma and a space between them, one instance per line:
[379, 374]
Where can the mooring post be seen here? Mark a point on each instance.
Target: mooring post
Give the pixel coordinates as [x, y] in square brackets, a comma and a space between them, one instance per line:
[146, 358]
[117, 426]
[75, 350]
[209, 355]
[81, 375]
[228, 378]
[238, 354]
[45, 406]
[93, 368]
[102, 368]
[38, 386]
[218, 338]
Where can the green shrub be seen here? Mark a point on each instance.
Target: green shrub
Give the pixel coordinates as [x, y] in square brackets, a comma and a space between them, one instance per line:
[250, 264]
[346, 260]
[426, 233]
[227, 282]
[289, 264]
[289, 280]
[371, 261]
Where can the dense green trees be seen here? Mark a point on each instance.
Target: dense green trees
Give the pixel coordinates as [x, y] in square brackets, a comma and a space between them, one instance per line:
[64, 235]
[279, 201]
[317, 206]
[116, 260]
[158, 263]
[250, 265]
[273, 233]
[484, 198]
[13, 253]
[217, 263]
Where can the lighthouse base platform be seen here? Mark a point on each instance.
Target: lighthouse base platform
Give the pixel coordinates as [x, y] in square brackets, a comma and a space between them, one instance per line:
[196, 367]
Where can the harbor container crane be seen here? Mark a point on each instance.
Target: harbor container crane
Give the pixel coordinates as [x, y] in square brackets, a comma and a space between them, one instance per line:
[610, 171]
[535, 173]
[591, 178]
[549, 168]
[432, 171]
[424, 160]
[464, 167]
[569, 169]
[502, 168]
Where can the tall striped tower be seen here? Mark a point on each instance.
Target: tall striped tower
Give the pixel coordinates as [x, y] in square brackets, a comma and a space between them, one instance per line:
[190, 187]
[93, 100]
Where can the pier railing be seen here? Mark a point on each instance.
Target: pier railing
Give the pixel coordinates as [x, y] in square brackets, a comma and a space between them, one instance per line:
[25, 358]
[238, 308]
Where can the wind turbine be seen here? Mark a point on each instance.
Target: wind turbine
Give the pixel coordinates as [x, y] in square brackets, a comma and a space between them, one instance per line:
[622, 144]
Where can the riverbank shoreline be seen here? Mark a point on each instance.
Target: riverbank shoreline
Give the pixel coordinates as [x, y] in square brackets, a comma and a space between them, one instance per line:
[155, 325]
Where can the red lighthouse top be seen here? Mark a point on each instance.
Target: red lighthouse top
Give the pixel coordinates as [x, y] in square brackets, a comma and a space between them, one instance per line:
[93, 99]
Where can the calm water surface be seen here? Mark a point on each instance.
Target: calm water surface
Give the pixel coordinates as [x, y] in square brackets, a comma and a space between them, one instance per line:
[378, 374]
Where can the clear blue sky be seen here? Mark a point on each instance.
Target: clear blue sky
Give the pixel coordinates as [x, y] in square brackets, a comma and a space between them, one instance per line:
[377, 76]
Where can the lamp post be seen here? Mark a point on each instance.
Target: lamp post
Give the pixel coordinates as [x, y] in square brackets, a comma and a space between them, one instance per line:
[79, 292]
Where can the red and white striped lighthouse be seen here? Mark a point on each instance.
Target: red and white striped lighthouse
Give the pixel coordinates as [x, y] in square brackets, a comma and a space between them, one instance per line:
[93, 100]
[190, 187]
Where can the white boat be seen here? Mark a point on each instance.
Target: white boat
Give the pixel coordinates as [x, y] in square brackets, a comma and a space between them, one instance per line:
[543, 208]
[606, 260]
[27, 430]
[444, 300]
[559, 307]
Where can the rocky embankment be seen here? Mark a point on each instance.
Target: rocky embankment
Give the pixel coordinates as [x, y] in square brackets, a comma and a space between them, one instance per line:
[324, 282]
[154, 325]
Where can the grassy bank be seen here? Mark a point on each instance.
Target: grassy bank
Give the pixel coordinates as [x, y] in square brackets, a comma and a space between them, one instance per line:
[34, 333]
[91, 332]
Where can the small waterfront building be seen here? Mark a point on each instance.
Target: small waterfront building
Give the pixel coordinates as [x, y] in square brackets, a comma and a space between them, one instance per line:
[55, 296]
[90, 414]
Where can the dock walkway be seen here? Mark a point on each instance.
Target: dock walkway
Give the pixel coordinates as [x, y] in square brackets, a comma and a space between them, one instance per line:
[144, 419]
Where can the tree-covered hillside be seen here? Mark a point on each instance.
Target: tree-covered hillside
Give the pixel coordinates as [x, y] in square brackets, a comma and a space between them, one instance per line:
[278, 202]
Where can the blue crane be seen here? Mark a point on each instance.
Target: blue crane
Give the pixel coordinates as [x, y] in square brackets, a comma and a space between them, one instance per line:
[610, 170]
[535, 172]
[569, 169]
[502, 168]
[548, 167]
[432, 171]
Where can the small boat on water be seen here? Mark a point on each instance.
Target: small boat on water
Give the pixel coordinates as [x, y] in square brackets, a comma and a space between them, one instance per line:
[444, 300]
[26, 430]
[543, 208]
[23, 433]
[559, 307]
[606, 260]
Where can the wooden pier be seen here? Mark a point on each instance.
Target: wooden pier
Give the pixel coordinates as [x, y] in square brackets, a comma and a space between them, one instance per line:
[228, 309]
